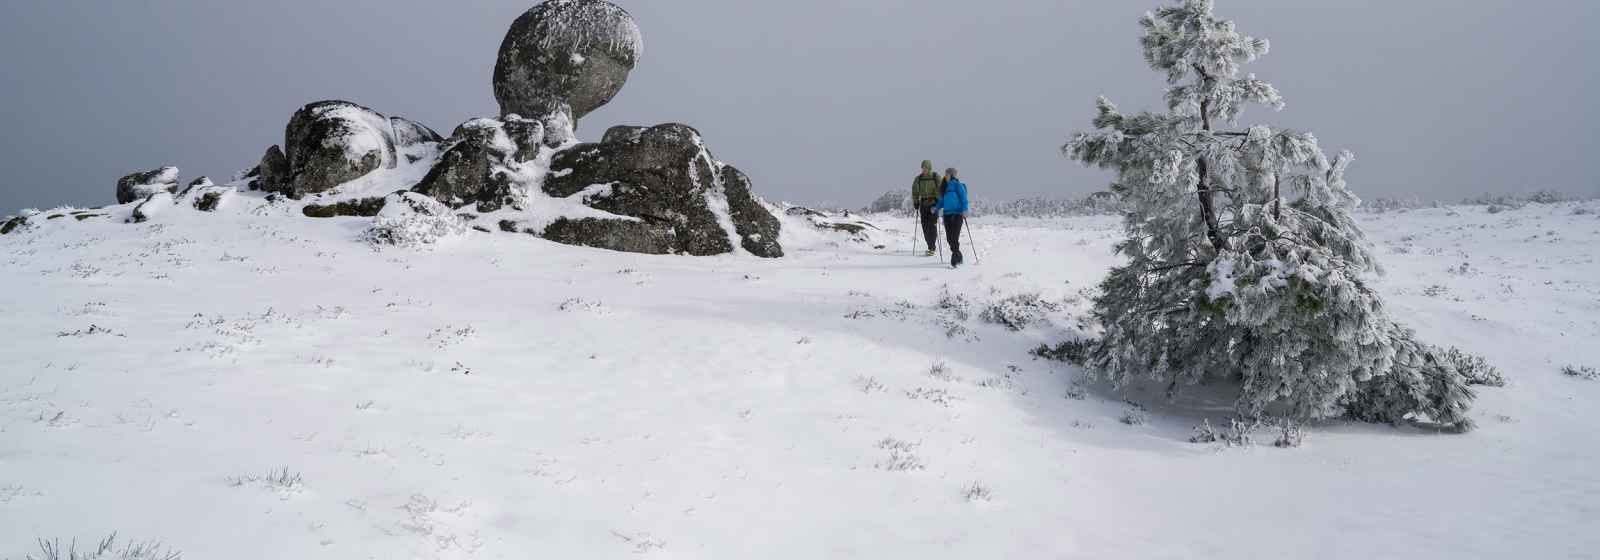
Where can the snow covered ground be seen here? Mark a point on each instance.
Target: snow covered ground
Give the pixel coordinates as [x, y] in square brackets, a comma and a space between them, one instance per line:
[241, 386]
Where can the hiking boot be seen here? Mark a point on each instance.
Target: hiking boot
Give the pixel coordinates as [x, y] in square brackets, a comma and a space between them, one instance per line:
[929, 253]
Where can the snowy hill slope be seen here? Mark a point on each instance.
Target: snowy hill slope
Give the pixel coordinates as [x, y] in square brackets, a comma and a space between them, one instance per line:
[243, 386]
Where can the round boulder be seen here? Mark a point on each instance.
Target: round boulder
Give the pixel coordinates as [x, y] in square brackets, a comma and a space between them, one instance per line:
[565, 56]
[329, 143]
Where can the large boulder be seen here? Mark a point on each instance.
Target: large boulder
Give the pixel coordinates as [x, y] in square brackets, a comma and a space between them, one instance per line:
[665, 177]
[481, 161]
[139, 186]
[565, 57]
[329, 143]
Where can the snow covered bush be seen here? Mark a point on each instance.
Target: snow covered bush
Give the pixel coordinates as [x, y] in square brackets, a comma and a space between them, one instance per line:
[898, 202]
[1204, 433]
[1135, 415]
[1289, 434]
[1018, 312]
[953, 304]
[1243, 262]
[1475, 369]
[410, 219]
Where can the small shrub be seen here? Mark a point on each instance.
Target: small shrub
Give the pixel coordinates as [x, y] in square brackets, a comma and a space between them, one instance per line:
[91, 331]
[1135, 415]
[1204, 433]
[281, 482]
[108, 549]
[1018, 312]
[580, 304]
[1289, 434]
[976, 492]
[939, 397]
[902, 455]
[1077, 392]
[942, 372]
[1474, 368]
[1581, 372]
[1238, 432]
[953, 305]
[870, 385]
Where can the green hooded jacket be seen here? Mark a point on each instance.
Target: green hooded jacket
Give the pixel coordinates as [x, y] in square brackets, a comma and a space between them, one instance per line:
[925, 187]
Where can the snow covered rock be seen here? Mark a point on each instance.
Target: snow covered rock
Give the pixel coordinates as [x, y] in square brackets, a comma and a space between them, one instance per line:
[758, 229]
[632, 236]
[272, 174]
[14, 223]
[410, 219]
[357, 207]
[152, 206]
[138, 186]
[412, 133]
[328, 143]
[565, 56]
[859, 230]
[203, 195]
[665, 176]
[479, 161]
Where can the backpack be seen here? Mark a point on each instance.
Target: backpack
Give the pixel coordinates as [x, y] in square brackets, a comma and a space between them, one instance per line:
[937, 192]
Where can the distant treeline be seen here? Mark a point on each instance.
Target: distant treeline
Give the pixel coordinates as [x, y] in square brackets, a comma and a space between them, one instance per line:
[1104, 203]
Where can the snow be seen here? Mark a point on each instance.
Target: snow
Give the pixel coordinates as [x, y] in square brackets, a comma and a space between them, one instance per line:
[245, 385]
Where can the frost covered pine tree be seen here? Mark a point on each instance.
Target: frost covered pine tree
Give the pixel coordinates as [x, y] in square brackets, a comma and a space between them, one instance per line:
[1243, 261]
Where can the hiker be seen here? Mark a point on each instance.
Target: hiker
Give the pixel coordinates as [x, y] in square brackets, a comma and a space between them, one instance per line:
[926, 190]
[954, 206]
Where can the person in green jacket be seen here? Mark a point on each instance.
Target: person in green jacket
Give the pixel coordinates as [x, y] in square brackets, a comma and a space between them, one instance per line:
[926, 190]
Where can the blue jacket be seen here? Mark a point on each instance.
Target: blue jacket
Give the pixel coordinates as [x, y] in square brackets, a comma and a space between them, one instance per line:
[955, 197]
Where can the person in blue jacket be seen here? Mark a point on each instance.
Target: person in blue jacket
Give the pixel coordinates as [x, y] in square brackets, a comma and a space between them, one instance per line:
[954, 205]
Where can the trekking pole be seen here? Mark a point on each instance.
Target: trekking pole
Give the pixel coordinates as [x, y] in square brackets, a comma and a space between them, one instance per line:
[938, 239]
[973, 243]
[916, 224]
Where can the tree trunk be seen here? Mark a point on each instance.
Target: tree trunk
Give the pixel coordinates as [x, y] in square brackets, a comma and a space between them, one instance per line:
[1208, 210]
[1277, 197]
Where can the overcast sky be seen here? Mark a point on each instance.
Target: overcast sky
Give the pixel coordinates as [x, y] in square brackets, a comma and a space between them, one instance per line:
[820, 101]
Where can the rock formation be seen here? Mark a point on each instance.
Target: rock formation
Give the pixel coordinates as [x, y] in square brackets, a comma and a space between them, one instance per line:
[665, 176]
[139, 186]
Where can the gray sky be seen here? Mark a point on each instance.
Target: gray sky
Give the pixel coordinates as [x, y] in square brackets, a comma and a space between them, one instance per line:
[820, 101]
